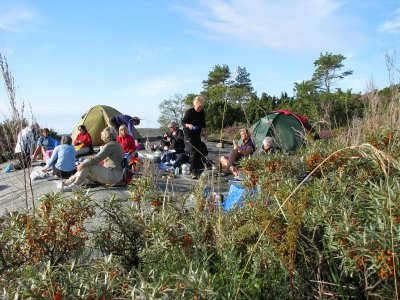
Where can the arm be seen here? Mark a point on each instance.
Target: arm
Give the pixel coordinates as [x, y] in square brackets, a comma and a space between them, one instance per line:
[77, 139]
[186, 121]
[131, 146]
[103, 154]
[247, 151]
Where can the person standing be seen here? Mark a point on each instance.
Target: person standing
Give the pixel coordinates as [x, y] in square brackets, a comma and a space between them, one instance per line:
[194, 127]
[25, 146]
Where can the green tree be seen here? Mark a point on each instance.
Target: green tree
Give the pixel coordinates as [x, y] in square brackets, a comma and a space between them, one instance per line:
[221, 86]
[172, 109]
[243, 80]
[328, 71]
[218, 76]
[258, 108]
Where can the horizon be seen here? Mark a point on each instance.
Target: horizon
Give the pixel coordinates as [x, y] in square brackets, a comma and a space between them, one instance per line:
[131, 55]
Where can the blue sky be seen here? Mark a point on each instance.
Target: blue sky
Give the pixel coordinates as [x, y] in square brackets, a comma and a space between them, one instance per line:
[67, 56]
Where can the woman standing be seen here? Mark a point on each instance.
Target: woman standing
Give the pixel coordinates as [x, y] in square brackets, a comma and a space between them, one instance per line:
[194, 126]
[108, 173]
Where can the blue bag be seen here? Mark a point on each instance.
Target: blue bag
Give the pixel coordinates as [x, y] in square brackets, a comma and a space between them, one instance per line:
[235, 196]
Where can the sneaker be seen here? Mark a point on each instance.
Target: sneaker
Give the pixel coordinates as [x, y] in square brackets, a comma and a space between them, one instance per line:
[70, 187]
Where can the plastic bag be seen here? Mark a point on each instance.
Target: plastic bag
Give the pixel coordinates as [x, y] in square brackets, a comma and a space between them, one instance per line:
[37, 174]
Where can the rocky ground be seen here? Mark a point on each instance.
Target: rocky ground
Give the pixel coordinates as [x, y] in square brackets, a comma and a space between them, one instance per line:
[16, 191]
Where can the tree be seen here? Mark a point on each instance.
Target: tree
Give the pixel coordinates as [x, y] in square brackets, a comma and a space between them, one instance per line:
[218, 76]
[328, 71]
[172, 110]
[242, 80]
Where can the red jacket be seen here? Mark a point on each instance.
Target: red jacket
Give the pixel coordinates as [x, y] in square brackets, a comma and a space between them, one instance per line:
[127, 142]
[84, 138]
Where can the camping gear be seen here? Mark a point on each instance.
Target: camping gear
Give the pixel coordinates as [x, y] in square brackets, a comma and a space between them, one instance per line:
[37, 174]
[287, 130]
[185, 169]
[237, 193]
[95, 120]
[154, 157]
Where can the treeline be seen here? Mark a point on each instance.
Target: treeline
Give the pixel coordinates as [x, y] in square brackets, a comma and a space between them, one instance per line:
[231, 99]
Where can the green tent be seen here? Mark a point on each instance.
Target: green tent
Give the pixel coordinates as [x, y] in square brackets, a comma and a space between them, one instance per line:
[96, 119]
[287, 130]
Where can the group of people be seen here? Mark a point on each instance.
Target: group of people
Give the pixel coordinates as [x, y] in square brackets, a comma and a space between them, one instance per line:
[194, 126]
[190, 139]
[61, 157]
[119, 141]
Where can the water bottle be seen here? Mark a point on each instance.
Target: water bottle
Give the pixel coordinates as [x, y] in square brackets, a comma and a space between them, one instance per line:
[176, 171]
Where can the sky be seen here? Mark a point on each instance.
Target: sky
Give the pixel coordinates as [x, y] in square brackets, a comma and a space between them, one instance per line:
[67, 56]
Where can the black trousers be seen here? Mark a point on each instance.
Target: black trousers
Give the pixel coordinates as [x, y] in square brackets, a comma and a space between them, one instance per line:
[193, 148]
[62, 174]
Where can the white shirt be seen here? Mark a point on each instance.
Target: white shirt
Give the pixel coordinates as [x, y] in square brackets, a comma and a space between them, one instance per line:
[25, 141]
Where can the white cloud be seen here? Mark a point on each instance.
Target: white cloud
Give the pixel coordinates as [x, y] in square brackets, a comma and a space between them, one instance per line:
[11, 18]
[392, 26]
[285, 24]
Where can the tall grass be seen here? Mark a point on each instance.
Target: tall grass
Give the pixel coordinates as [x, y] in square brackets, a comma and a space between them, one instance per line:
[331, 234]
[12, 126]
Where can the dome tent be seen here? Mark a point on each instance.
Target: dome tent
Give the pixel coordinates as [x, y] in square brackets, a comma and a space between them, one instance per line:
[95, 120]
[287, 128]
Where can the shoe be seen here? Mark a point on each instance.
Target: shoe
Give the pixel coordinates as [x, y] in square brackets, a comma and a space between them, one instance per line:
[60, 185]
[70, 188]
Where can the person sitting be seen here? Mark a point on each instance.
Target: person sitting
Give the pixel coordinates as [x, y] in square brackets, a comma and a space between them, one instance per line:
[125, 140]
[173, 139]
[25, 145]
[111, 172]
[44, 143]
[62, 160]
[130, 122]
[174, 144]
[238, 152]
[269, 146]
[83, 142]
